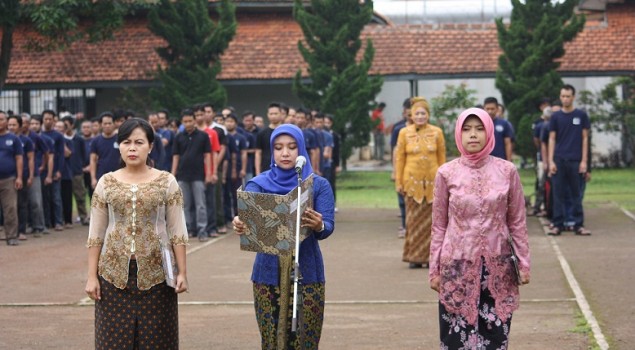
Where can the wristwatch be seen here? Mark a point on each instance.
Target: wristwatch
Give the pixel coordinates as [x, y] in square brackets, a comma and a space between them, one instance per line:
[322, 229]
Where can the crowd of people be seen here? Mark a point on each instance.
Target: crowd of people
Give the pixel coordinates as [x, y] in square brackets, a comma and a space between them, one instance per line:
[51, 158]
[563, 165]
[463, 219]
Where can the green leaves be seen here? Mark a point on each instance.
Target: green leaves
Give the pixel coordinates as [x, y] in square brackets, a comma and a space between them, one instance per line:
[339, 83]
[532, 44]
[446, 108]
[62, 22]
[613, 110]
[194, 46]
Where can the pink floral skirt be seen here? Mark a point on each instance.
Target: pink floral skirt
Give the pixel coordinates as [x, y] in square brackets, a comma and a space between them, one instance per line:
[488, 333]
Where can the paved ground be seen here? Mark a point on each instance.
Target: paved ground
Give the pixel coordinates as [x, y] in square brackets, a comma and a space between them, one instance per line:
[374, 300]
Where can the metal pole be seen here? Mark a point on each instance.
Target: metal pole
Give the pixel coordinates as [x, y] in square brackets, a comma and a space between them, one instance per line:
[296, 264]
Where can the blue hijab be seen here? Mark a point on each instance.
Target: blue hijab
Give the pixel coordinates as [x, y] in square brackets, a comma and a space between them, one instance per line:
[281, 181]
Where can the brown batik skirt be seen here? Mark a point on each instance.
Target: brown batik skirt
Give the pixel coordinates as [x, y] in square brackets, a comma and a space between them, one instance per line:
[416, 248]
[136, 319]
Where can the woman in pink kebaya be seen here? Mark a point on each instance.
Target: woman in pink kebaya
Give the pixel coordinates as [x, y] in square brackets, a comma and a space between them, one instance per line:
[478, 204]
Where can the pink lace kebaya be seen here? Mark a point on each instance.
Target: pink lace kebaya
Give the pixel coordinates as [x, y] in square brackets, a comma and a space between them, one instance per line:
[478, 203]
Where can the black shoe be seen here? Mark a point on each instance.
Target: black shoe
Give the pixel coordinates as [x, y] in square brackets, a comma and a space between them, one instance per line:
[202, 237]
[415, 266]
[13, 241]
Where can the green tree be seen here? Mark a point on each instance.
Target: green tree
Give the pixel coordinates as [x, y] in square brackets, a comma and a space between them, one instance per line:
[613, 110]
[446, 109]
[527, 68]
[59, 23]
[339, 82]
[192, 55]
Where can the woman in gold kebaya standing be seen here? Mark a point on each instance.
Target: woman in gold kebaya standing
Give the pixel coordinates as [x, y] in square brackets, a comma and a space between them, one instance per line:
[419, 152]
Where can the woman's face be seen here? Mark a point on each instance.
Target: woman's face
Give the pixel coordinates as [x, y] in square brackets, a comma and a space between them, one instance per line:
[420, 116]
[473, 136]
[285, 151]
[135, 149]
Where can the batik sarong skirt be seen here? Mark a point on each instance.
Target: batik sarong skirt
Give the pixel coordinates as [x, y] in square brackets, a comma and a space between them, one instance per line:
[416, 247]
[275, 331]
[489, 333]
[136, 319]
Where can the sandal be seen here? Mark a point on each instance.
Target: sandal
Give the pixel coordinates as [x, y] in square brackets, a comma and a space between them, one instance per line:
[581, 231]
[554, 231]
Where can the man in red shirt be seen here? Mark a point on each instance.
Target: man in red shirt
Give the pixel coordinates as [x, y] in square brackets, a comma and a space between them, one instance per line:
[378, 131]
[199, 116]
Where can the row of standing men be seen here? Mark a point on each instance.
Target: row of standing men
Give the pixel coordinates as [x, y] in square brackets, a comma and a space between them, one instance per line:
[63, 156]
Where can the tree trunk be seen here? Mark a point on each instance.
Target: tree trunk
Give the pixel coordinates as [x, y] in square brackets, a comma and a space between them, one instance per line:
[6, 47]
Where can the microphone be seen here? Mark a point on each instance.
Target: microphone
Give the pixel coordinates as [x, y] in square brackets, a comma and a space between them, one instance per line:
[299, 164]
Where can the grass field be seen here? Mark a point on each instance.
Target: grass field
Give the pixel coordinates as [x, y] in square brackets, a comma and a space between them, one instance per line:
[373, 189]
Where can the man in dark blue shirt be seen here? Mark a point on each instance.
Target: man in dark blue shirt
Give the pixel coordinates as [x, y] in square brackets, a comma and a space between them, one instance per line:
[78, 160]
[11, 167]
[41, 150]
[46, 173]
[167, 139]
[104, 150]
[15, 127]
[48, 123]
[67, 176]
[394, 136]
[251, 131]
[503, 132]
[568, 160]
[87, 135]
[303, 121]
[236, 166]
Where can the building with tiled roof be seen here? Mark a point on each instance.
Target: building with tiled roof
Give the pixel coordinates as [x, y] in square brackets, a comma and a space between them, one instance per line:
[262, 59]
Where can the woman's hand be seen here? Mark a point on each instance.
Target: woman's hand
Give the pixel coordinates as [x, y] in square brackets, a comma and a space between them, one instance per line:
[312, 219]
[239, 227]
[181, 283]
[93, 288]
[524, 278]
[434, 284]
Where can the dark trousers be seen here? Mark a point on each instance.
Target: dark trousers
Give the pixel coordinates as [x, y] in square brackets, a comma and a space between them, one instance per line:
[567, 178]
[23, 206]
[67, 201]
[210, 204]
[230, 207]
[89, 187]
[402, 209]
[47, 204]
[218, 194]
[332, 179]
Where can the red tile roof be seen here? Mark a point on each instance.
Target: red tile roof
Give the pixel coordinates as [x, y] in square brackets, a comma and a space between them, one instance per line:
[265, 47]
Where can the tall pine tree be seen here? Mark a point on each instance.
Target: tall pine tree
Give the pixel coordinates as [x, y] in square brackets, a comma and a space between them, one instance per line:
[195, 44]
[339, 83]
[532, 44]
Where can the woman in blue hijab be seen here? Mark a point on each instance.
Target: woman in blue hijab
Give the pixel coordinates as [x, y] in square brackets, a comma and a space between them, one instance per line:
[272, 287]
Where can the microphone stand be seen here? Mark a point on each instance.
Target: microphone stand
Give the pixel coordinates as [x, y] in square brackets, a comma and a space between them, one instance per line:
[296, 265]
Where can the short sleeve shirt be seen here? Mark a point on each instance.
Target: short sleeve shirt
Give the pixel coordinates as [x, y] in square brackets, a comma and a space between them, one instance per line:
[39, 147]
[27, 147]
[568, 128]
[108, 156]
[238, 143]
[263, 143]
[10, 147]
[58, 149]
[502, 130]
[191, 149]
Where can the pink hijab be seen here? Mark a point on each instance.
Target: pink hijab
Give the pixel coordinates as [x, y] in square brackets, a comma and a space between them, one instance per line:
[489, 133]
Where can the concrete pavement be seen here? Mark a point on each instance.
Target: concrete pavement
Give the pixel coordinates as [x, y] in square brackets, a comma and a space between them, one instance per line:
[373, 300]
